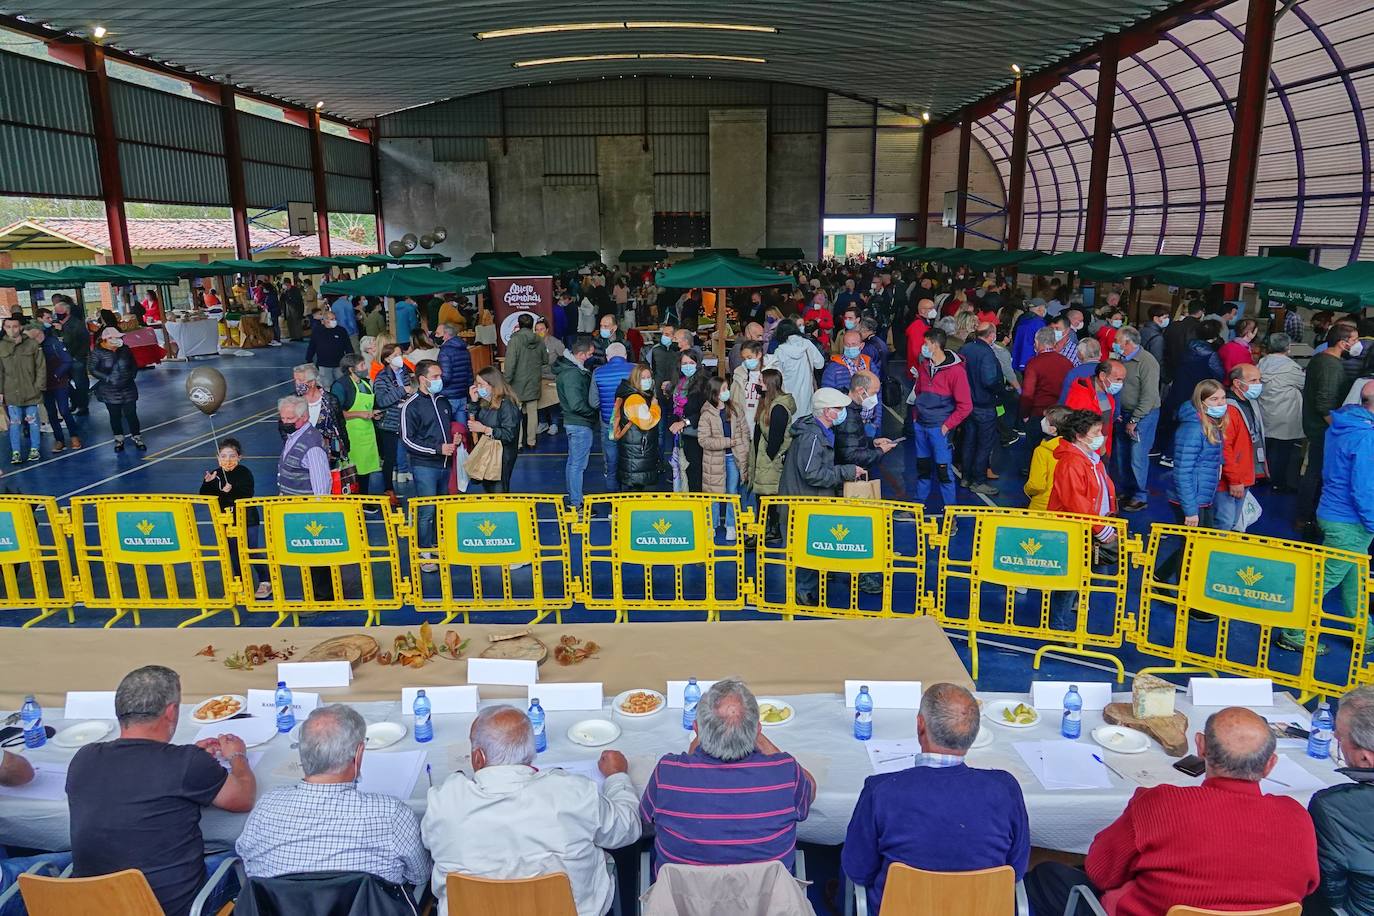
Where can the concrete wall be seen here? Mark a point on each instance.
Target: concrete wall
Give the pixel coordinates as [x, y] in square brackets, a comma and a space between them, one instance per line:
[419, 194]
[572, 217]
[517, 194]
[625, 186]
[794, 203]
[739, 179]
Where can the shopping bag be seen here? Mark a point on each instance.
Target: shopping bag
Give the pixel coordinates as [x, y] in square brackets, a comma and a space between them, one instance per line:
[863, 489]
[1250, 511]
[458, 479]
[485, 461]
[679, 465]
[344, 480]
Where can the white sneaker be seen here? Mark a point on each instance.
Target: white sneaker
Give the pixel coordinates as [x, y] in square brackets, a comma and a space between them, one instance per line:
[45, 428]
[264, 591]
[519, 566]
[543, 428]
[729, 532]
[429, 567]
[553, 429]
[275, 343]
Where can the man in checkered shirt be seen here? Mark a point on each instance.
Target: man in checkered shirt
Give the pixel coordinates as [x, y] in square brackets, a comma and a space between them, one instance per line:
[323, 823]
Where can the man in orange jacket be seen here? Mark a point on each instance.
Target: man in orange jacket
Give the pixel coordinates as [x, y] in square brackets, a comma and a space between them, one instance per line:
[1098, 394]
[1242, 448]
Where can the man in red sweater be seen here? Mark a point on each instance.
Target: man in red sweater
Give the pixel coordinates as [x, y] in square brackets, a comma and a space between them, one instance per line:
[916, 331]
[1098, 394]
[1223, 844]
[1041, 384]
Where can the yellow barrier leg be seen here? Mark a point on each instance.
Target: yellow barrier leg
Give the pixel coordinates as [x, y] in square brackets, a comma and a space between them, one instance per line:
[203, 615]
[1079, 650]
[44, 615]
[119, 615]
[973, 654]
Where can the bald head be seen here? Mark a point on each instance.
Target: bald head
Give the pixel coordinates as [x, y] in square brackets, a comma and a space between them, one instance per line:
[1237, 744]
[501, 736]
[852, 339]
[1367, 395]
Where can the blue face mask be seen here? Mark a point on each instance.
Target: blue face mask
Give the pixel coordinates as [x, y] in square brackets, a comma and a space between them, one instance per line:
[484, 393]
[925, 351]
[605, 333]
[850, 324]
[666, 340]
[852, 352]
[751, 363]
[436, 385]
[839, 417]
[1216, 411]
[1115, 387]
[689, 370]
[1254, 391]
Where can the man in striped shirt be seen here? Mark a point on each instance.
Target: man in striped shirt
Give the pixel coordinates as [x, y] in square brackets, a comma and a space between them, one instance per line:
[733, 798]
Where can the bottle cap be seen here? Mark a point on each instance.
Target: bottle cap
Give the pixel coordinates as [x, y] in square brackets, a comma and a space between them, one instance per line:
[281, 684]
[863, 688]
[419, 693]
[534, 701]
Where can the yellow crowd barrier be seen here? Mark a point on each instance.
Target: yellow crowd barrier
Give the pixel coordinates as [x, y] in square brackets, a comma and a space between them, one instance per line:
[636, 548]
[1047, 578]
[135, 553]
[836, 551]
[1249, 582]
[320, 553]
[492, 552]
[35, 566]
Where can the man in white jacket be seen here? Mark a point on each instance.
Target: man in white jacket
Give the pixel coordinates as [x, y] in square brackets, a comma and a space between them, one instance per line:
[510, 820]
[798, 359]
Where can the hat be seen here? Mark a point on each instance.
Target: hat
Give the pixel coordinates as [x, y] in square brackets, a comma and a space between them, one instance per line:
[111, 334]
[34, 326]
[616, 349]
[830, 397]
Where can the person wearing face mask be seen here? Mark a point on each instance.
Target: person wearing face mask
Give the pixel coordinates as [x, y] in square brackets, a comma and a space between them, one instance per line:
[328, 344]
[1202, 428]
[854, 436]
[579, 416]
[987, 391]
[57, 384]
[455, 360]
[843, 365]
[115, 372]
[753, 333]
[819, 313]
[1321, 396]
[941, 399]
[1042, 380]
[689, 396]
[427, 434]
[230, 482]
[636, 418]
[70, 321]
[526, 357]
[924, 320]
[1043, 462]
[357, 401]
[874, 346]
[1065, 342]
[1100, 394]
[1243, 459]
[1106, 335]
[746, 383]
[606, 380]
[724, 445]
[390, 387]
[1082, 486]
[1152, 332]
[1237, 350]
[498, 416]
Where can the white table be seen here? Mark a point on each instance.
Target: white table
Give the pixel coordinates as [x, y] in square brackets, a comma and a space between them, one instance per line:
[821, 736]
[194, 338]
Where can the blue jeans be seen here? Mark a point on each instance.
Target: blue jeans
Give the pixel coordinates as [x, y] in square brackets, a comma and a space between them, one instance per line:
[459, 406]
[59, 406]
[933, 457]
[430, 480]
[610, 449]
[1226, 510]
[18, 416]
[980, 438]
[731, 486]
[12, 868]
[579, 453]
[1134, 462]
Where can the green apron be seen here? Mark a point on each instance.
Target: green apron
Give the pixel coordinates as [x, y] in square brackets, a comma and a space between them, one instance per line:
[362, 434]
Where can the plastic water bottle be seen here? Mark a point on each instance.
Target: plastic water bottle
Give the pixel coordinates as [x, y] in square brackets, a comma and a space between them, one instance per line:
[424, 726]
[31, 716]
[863, 714]
[286, 712]
[541, 740]
[691, 695]
[1319, 738]
[1072, 724]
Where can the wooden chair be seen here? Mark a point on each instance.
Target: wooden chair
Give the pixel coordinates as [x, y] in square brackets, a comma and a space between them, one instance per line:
[1292, 909]
[124, 893]
[914, 892]
[546, 895]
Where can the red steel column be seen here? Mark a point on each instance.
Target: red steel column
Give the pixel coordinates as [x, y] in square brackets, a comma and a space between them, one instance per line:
[923, 182]
[965, 147]
[321, 186]
[1249, 126]
[1096, 224]
[1016, 180]
[233, 168]
[107, 149]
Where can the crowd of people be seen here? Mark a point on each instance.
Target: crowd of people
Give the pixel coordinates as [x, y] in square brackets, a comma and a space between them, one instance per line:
[732, 798]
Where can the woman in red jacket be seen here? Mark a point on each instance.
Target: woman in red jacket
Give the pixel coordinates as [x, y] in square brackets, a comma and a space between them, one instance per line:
[1081, 485]
[819, 312]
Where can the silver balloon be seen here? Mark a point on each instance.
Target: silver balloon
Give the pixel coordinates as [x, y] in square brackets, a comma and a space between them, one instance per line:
[411, 240]
[396, 248]
[426, 241]
[440, 235]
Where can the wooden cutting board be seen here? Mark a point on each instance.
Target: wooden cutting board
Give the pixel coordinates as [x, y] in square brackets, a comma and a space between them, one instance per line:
[1170, 731]
[355, 648]
[524, 647]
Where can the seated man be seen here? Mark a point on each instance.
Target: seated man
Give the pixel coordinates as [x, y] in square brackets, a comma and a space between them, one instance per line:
[733, 797]
[323, 823]
[512, 821]
[1344, 814]
[1221, 844]
[940, 815]
[135, 802]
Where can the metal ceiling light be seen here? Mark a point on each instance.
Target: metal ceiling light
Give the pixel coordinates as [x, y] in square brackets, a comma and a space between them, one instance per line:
[1016, 68]
[597, 58]
[925, 116]
[99, 32]
[523, 30]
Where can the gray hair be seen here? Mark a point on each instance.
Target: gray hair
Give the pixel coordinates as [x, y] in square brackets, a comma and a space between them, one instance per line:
[505, 739]
[1279, 343]
[1128, 334]
[1357, 709]
[869, 324]
[1237, 763]
[307, 370]
[330, 739]
[729, 733]
[1045, 337]
[145, 693]
[951, 716]
[451, 328]
[299, 406]
[1090, 350]
[947, 324]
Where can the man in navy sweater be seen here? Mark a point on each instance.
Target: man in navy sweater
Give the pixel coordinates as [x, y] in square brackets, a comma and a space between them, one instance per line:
[940, 815]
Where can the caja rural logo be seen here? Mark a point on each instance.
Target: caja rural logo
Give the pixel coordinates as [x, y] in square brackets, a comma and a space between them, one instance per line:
[488, 532]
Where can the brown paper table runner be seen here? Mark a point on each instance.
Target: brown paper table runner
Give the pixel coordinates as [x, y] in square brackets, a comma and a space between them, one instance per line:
[778, 657]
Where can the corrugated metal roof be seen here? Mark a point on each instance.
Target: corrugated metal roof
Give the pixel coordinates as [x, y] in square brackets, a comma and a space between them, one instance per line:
[160, 175]
[43, 94]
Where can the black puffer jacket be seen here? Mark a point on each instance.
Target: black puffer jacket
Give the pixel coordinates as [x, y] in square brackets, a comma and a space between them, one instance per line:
[640, 454]
[115, 371]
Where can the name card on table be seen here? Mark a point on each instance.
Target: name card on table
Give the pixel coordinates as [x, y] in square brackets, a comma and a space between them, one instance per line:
[315, 674]
[1230, 691]
[264, 703]
[515, 672]
[442, 700]
[674, 692]
[90, 704]
[886, 694]
[1050, 694]
[558, 697]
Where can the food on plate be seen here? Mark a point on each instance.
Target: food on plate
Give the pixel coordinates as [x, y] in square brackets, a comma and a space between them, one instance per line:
[1152, 697]
[1020, 714]
[640, 702]
[218, 708]
[772, 715]
[254, 656]
[571, 650]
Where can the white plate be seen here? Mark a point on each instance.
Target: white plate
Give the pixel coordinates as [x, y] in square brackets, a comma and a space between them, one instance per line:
[621, 697]
[780, 704]
[993, 713]
[82, 733]
[242, 708]
[985, 737]
[1120, 740]
[593, 732]
[383, 734]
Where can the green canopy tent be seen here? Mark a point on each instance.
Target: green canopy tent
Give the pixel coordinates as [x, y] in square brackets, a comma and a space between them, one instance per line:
[583, 258]
[1347, 289]
[642, 255]
[995, 260]
[781, 254]
[185, 269]
[432, 258]
[119, 274]
[720, 273]
[403, 281]
[951, 257]
[473, 278]
[1227, 269]
[1065, 262]
[495, 255]
[1131, 265]
[25, 278]
[299, 265]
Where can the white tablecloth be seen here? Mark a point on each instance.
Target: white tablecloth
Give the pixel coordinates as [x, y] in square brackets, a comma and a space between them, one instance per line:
[194, 338]
[820, 735]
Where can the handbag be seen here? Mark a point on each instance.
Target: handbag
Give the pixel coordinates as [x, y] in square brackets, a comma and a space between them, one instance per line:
[484, 463]
[344, 480]
[863, 489]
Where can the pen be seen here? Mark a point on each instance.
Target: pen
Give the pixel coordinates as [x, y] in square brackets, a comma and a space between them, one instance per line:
[429, 773]
[1110, 767]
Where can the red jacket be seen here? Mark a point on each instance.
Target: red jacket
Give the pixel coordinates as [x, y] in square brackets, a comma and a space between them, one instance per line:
[942, 393]
[1234, 353]
[915, 336]
[1042, 382]
[1237, 452]
[1078, 483]
[1222, 844]
[824, 320]
[1106, 335]
[1083, 395]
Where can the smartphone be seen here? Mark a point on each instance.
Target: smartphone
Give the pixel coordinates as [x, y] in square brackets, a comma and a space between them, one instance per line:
[902, 439]
[1193, 765]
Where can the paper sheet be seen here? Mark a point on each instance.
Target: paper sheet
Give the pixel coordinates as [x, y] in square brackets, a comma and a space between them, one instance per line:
[49, 783]
[1296, 777]
[391, 774]
[1064, 764]
[253, 729]
[893, 755]
[587, 768]
[253, 758]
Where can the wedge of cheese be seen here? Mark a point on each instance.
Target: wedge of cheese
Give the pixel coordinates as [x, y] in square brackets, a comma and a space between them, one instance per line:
[1152, 697]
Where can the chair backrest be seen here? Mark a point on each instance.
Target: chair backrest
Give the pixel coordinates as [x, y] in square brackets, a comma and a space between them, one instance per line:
[545, 895]
[912, 891]
[1292, 909]
[124, 893]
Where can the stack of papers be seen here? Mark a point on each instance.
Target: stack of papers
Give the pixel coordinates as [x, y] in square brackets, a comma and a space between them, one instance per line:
[587, 768]
[892, 756]
[1289, 777]
[391, 773]
[1064, 764]
[49, 783]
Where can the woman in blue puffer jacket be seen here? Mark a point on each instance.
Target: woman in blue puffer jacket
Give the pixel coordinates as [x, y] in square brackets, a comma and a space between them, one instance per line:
[1197, 462]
